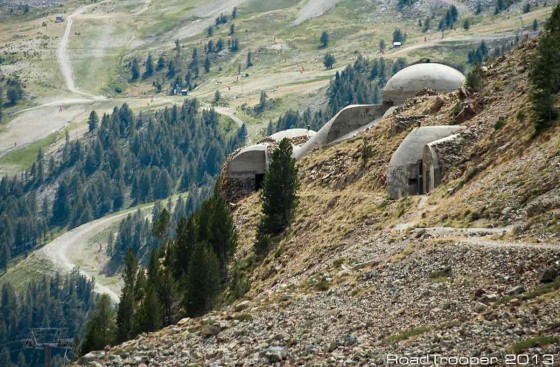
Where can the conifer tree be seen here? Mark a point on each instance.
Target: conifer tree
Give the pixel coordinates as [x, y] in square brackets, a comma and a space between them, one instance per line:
[149, 67]
[223, 234]
[203, 280]
[101, 327]
[93, 121]
[127, 304]
[4, 256]
[545, 73]
[249, 59]
[207, 64]
[134, 70]
[279, 193]
[324, 39]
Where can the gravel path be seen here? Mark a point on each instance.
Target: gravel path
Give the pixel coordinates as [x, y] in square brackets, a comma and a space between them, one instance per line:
[69, 249]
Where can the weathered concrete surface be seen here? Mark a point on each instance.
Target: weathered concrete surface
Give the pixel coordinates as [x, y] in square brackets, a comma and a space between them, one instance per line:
[405, 165]
[438, 157]
[251, 160]
[291, 134]
[347, 121]
[411, 80]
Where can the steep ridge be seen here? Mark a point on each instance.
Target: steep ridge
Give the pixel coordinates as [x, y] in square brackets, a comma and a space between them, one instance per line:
[358, 276]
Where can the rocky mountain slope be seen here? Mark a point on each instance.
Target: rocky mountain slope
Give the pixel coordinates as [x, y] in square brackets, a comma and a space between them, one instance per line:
[469, 270]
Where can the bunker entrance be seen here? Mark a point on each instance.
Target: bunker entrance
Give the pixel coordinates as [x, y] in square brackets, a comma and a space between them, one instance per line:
[259, 179]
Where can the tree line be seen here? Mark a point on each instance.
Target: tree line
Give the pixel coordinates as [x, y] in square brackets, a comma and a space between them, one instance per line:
[125, 160]
[58, 301]
[185, 274]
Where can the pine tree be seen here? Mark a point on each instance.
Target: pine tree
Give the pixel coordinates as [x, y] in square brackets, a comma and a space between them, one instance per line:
[4, 256]
[324, 39]
[210, 31]
[234, 12]
[207, 64]
[535, 25]
[100, 328]
[222, 234]
[93, 121]
[249, 59]
[231, 29]
[134, 70]
[329, 61]
[203, 281]
[149, 67]
[545, 73]
[160, 63]
[160, 227]
[127, 304]
[279, 193]
[466, 25]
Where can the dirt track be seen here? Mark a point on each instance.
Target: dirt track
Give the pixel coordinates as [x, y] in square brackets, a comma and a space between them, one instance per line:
[73, 248]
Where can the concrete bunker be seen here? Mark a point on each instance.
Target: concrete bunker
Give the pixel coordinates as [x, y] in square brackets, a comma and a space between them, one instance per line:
[412, 79]
[244, 171]
[406, 171]
[247, 168]
[437, 159]
[345, 124]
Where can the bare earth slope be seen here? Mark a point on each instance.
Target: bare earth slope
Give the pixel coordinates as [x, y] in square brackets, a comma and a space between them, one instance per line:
[348, 283]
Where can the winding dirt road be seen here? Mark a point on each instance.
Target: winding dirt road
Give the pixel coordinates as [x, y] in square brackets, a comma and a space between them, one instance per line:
[74, 247]
[64, 58]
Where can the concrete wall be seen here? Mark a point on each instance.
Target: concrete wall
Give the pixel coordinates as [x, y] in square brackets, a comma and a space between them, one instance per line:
[250, 161]
[438, 157]
[344, 125]
[405, 168]
[411, 80]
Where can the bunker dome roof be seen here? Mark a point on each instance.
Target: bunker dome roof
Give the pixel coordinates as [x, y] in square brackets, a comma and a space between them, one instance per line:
[291, 133]
[412, 147]
[410, 80]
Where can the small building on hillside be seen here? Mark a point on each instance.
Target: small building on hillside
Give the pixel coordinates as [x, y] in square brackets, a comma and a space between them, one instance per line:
[397, 44]
[406, 168]
[439, 158]
[244, 170]
[59, 18]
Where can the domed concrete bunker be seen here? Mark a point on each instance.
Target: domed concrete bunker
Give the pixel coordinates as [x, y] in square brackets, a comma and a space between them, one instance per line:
[248, 166]
[345, 124]
[412, 79]
[405, 173]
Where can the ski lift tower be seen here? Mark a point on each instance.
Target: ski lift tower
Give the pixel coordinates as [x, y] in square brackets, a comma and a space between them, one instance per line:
[47, 339]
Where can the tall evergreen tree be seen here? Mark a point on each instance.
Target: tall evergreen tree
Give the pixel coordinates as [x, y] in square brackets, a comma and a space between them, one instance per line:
[249, 59]
[324, 39]
[127, 304]
[203, 280]
[545, 73]
[149, 67]
[134, 70]
[222, 234]
[279, 193]
[93, 121]
[101, 327]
